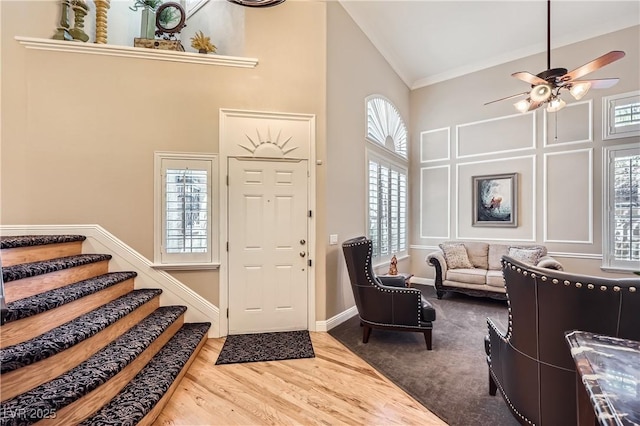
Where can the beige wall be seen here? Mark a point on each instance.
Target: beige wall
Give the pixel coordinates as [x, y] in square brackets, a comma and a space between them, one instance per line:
[79, 131]
[355, 70]
[460, 102]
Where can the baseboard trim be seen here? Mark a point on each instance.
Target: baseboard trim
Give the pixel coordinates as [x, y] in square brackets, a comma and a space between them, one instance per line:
[423, 281]
[125, 258]
[337, 319]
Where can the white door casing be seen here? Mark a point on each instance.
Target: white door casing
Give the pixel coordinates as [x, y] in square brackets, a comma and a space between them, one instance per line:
[266, 137]
[268, 248]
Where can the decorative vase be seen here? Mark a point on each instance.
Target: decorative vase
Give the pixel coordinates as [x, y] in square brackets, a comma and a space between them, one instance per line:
[148, 24]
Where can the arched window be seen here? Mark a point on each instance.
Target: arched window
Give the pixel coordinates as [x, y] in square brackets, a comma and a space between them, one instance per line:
[385, 126]
[387, 179]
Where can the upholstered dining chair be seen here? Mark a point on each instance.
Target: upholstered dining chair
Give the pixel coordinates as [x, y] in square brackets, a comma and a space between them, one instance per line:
[385, 302]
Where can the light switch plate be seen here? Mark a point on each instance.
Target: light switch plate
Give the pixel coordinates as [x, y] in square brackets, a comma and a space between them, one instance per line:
[333, 239]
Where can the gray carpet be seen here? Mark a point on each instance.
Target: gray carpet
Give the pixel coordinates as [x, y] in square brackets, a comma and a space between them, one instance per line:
[451, 380]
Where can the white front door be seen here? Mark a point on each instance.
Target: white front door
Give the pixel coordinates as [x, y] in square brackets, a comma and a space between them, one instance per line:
[267, 245]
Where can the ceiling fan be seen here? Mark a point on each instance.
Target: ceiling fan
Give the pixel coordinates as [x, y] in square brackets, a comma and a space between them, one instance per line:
[547, 85]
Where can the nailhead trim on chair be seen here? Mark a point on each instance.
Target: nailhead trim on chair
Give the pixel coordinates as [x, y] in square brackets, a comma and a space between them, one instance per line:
[377, 287]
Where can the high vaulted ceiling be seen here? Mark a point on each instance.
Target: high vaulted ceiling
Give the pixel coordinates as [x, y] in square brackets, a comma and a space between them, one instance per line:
[429, 41]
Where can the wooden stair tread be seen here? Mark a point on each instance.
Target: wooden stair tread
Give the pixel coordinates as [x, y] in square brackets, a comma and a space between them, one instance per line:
[142, 394]
[28, 270]
[67, 388]
[9, 242]
[72, 332]
[42, 302]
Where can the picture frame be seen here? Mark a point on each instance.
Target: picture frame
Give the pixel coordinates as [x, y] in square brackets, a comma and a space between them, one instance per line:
[495, 200]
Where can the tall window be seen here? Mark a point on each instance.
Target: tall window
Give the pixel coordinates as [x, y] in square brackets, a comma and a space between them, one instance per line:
[622, 230]
[185, 220]
[386, 179]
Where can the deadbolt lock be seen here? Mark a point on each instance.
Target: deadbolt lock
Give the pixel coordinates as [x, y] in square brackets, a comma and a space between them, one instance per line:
[302, 242]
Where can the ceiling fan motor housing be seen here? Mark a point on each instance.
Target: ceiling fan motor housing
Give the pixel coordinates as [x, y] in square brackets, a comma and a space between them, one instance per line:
[552, 76]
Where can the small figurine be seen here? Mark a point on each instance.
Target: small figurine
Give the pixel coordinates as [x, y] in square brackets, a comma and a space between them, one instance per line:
[393, 267]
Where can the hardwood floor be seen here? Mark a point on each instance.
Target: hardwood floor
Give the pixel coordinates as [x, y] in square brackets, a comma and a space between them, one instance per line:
[334, 388]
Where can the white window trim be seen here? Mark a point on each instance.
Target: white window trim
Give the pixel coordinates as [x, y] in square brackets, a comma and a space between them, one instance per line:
[608, 102]
[213, 261]
[608, 262]
[378, 153]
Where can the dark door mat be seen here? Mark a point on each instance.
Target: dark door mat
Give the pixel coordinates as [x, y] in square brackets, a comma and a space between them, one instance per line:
[266, 347]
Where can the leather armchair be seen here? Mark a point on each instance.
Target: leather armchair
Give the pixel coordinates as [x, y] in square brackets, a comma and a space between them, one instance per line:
[530, 362]
[384, 303]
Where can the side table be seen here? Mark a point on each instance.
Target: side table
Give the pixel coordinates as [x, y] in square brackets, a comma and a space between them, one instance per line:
[406, 276]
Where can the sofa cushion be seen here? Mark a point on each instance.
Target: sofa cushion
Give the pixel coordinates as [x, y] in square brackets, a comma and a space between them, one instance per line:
[478, 254]
[526, 255]
[456, 255]
[496, 251]
[495, 279]
[469, 276]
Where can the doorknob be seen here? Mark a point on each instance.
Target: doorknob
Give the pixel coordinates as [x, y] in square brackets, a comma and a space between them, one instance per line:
[302, 254]
[302, 242]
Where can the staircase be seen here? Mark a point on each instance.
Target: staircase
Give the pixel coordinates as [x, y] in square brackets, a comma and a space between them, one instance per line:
[79, 344]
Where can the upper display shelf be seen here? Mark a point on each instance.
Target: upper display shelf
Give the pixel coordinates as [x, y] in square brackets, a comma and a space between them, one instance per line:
[136, 52]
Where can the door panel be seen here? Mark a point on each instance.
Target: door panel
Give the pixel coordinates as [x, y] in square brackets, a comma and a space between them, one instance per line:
[267, 245]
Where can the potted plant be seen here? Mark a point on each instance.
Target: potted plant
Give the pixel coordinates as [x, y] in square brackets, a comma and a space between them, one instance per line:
[148, 22]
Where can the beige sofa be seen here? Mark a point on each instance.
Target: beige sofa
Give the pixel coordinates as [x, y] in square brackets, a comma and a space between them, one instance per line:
[474, 268]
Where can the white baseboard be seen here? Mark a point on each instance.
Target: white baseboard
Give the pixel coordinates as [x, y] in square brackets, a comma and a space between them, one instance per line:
[99, 240]
[337, 319]
[423, 281]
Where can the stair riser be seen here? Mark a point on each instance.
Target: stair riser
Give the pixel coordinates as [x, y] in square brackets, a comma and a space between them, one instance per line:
[19, 289]
[28, 328]
[27, 378]
[155, 412]
[90, 403]
[18, 255]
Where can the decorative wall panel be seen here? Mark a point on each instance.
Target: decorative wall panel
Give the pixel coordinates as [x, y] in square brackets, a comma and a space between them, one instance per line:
[435, 202]
[525, 167]
[572, 124]
[435, 145]
[568, 199]
[503, 134]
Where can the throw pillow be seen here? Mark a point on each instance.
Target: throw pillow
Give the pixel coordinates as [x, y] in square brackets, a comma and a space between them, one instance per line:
[529, 256]
[496, 251]
[456, 256]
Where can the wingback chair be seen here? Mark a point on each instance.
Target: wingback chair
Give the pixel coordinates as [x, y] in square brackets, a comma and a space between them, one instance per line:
[530, 363]
[384, 302]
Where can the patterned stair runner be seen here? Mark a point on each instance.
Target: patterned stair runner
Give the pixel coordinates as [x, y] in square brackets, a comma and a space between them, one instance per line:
[72, 332]
[89, 375]
[27, 270]
[8, 242]
[139, 397]
[52, 299]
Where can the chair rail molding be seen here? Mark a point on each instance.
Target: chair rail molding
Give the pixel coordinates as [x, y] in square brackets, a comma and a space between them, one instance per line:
[136, 52]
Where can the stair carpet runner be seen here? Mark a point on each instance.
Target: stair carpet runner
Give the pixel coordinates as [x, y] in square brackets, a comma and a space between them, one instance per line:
[155, 351]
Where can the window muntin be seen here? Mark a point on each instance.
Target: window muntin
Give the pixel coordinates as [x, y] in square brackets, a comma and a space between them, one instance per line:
[622, 231]
[186, 222]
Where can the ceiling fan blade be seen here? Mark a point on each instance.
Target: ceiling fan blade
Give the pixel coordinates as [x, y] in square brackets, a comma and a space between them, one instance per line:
[508, 97]
[602, 83]
[528, 77]
[597, 63]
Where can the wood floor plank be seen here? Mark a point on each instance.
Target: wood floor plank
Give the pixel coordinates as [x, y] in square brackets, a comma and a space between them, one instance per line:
[334, 388]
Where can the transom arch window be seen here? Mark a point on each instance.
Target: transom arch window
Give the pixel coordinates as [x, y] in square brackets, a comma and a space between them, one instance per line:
[387, 179]
[385, 126]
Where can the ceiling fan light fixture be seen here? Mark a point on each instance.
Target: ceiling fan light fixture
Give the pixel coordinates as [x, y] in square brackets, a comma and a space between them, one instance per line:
[523, 105]
[541, 93]
[555, 105]
[579, 90]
